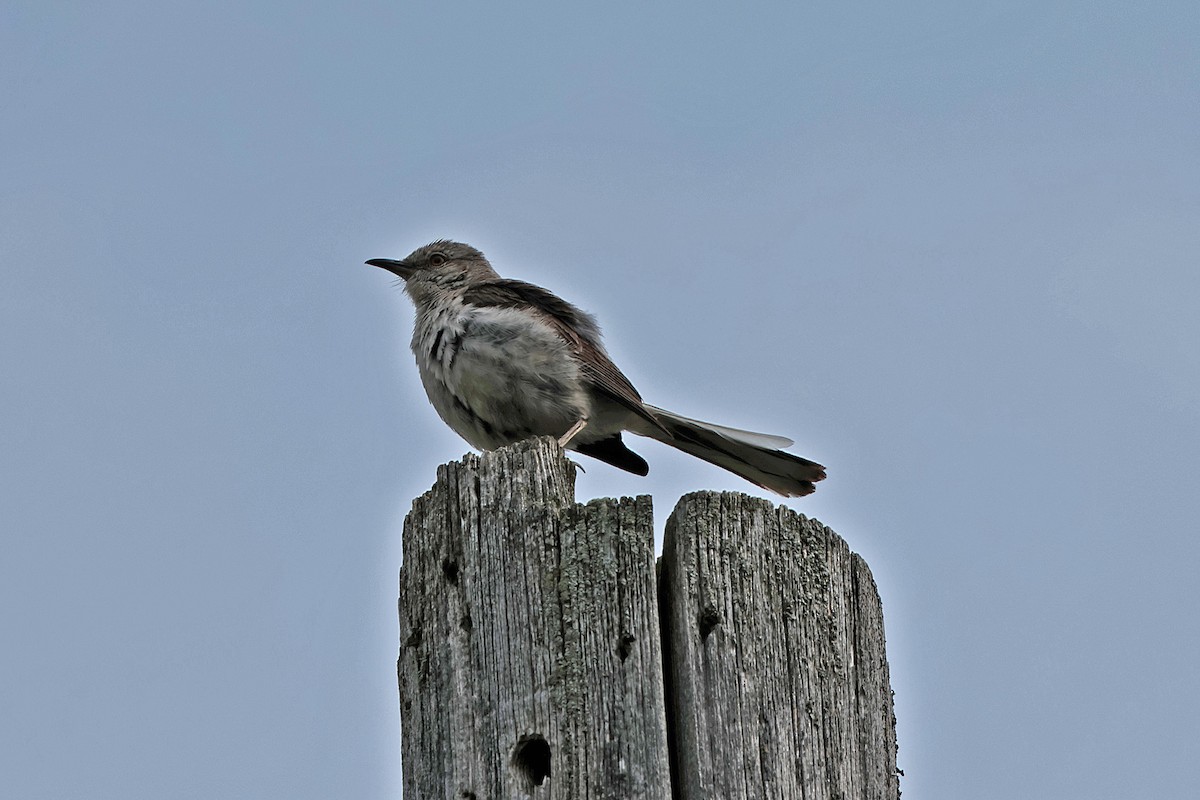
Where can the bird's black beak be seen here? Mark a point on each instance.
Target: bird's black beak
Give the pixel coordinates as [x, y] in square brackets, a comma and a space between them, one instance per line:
[395, 267]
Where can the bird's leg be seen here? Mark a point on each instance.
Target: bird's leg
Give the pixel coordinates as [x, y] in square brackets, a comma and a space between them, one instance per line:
[566, 438]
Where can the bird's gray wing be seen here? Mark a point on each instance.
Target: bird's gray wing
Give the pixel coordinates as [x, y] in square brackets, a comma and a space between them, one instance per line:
[576, 327]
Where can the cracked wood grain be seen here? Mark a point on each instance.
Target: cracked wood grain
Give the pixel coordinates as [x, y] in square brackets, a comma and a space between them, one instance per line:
[777, 679]
[531, 661]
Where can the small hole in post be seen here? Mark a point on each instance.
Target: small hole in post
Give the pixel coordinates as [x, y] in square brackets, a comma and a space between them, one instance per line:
[709, 619]
[450, 570]
[531, 760]
[625, 646]
[465, 623]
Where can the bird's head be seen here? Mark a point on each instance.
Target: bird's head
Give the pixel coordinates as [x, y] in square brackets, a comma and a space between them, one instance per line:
[439, 267]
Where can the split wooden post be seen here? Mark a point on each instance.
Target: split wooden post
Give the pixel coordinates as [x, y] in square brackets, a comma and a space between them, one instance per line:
[542, 657]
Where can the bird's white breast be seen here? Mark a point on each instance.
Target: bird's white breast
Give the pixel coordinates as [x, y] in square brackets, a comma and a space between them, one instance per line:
[497, 375]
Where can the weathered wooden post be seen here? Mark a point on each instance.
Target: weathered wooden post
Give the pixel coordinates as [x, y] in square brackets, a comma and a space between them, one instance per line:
[531, 663]
[777, 680]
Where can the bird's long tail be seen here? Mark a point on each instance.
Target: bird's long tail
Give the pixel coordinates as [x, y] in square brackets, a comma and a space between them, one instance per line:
[754, 456]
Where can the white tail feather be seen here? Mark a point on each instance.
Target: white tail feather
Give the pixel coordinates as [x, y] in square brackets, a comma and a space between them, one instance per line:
[754, 456]
[735, 434]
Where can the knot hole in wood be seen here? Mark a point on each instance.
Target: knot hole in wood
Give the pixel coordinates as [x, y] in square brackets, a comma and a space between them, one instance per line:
[531, 760]
[708, 619]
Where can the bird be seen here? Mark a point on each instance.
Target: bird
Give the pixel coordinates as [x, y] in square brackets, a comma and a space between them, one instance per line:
[503, 360]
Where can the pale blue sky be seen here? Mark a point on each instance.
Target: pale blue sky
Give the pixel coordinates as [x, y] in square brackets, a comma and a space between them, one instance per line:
[950, 248]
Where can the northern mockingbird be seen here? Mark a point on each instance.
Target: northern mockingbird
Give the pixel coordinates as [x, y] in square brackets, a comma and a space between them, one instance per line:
[503, 360]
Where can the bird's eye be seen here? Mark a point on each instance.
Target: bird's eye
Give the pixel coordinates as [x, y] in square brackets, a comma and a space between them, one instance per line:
[437, 259]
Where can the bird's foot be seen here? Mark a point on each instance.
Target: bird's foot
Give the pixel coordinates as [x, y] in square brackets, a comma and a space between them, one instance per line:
[571, 433]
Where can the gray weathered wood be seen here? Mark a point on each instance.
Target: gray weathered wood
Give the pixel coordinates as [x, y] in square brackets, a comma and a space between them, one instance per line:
[778, 683]
[530, 637]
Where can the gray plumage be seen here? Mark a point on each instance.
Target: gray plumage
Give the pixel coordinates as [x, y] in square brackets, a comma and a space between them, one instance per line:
[502, 360]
